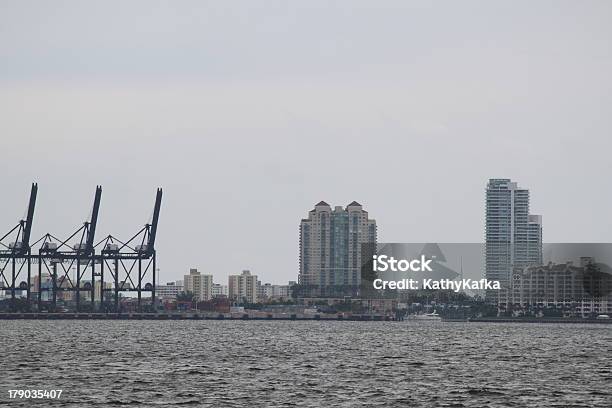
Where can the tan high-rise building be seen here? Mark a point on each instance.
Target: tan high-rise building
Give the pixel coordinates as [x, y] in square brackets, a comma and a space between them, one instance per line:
[330, 247]
[198, 284]
[243, 288]
[98, 290]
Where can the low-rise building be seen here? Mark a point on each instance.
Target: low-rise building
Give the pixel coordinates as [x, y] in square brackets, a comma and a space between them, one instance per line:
[219, 290]
[573, 289]
[170, 290]
[268, 291]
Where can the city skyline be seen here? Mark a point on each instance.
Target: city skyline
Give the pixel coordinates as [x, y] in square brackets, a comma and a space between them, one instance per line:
[319, 203]
[531, 221]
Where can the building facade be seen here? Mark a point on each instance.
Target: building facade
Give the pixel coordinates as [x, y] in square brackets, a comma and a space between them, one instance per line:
[268, 291]
[98, 290]
[560, 286]
[330, 247]
[170, 290]
[513, 237]
[46, 285]
[198, 284]
[219, 290]
[243, 288]
[534, 240]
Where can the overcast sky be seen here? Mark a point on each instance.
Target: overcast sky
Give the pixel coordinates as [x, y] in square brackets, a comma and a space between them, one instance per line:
[249, 113]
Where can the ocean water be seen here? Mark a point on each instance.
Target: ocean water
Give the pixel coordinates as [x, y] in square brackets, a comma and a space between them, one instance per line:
[307, 363]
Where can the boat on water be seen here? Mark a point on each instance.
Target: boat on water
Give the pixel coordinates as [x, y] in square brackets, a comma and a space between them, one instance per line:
[425, 316]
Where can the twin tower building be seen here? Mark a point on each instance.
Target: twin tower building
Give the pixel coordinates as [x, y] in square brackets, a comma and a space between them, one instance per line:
[331, 248]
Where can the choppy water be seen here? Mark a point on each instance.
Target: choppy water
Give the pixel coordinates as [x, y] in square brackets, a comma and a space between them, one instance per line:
[292, 363]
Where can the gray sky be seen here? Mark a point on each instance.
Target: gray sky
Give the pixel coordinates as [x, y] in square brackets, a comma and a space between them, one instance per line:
[249, 113]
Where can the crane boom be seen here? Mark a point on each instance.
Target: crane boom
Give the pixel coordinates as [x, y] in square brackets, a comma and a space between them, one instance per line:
[153, 231]
[27, 229]
[94, 220]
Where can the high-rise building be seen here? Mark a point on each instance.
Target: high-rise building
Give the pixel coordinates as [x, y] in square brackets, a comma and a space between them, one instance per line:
[198, 284]
[330, 247]
[513, 237]
[534, 240]
[243, 288]
[98, 290]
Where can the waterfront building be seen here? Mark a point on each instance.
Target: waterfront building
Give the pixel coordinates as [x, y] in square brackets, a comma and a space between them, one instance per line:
[98, 290]
[560, 286]
[268, 291]
[64, 283]
[219, 290]
[198, 284]
[513, 236]
[330, 247]
[264, 291]
[534, 240]
[170, 290]
[46, 284]
[243, 288]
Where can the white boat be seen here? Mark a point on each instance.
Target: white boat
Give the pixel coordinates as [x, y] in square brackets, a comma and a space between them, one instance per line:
[427, 316]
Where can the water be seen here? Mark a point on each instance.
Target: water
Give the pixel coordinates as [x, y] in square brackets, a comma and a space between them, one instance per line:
[292, 363]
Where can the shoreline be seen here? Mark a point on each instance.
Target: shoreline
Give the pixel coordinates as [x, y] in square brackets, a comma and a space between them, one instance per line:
[531, 320]
[191, 316]
[277, 317]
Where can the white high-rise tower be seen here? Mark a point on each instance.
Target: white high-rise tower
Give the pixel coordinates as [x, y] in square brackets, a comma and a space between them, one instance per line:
[513, 237]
